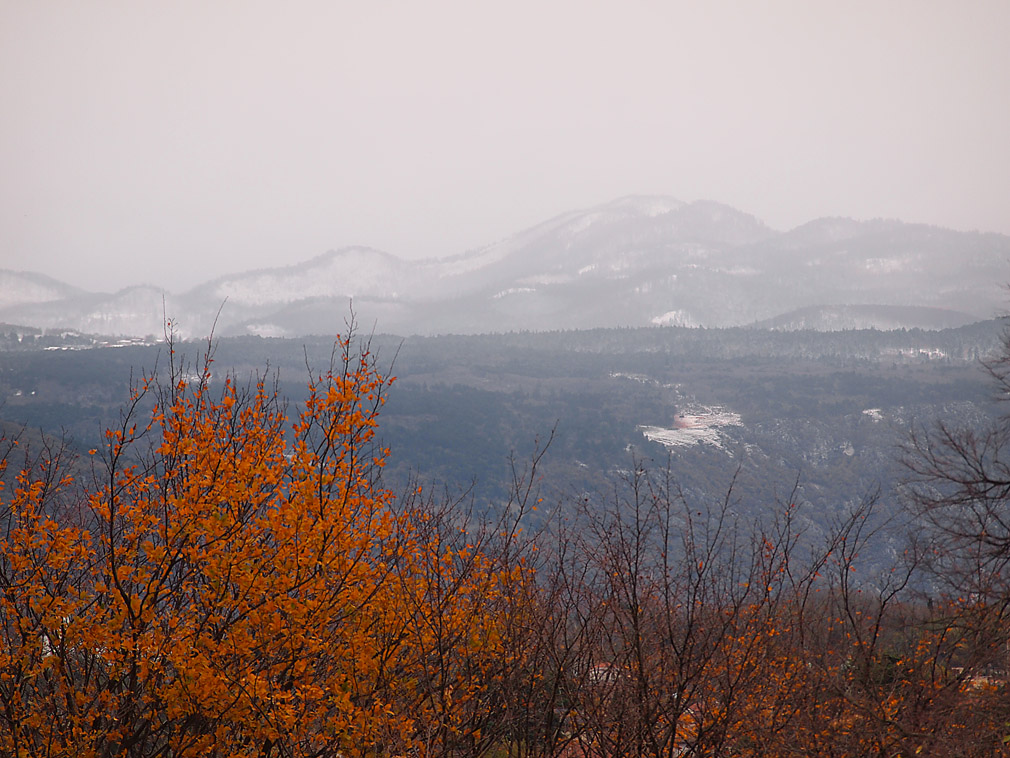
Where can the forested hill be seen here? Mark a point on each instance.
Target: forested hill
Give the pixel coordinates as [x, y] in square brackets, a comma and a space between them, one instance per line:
[773, 409]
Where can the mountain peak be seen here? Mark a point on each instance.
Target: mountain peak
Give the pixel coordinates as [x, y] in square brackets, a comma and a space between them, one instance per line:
[646, 205]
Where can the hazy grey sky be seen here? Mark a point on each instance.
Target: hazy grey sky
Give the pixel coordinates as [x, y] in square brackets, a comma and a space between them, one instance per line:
[170, 142]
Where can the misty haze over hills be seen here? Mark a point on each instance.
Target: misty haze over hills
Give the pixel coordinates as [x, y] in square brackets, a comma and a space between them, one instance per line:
[636, 261]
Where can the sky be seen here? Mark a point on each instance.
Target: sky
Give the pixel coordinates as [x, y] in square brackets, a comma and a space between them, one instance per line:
[173, 142]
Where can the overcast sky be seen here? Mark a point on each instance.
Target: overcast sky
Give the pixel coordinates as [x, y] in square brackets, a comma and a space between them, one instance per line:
[171, 142]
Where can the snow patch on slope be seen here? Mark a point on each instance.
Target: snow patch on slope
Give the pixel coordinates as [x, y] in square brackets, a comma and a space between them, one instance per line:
[546, 279]
[674, 318]
[888, 265]
[513, 291]
[700, 427]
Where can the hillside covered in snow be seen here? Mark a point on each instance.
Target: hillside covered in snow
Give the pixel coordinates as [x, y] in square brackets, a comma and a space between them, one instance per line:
[637, 261]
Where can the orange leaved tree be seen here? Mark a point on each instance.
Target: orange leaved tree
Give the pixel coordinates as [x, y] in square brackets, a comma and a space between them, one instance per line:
[224, 586]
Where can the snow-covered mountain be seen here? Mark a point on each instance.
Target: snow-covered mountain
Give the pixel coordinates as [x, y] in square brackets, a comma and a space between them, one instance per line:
[635, 261]
[23, 288]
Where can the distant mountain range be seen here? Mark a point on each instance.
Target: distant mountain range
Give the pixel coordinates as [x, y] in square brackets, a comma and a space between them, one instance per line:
[632, 262]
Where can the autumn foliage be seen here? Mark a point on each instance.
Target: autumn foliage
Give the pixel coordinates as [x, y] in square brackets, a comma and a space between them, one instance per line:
[233, 579]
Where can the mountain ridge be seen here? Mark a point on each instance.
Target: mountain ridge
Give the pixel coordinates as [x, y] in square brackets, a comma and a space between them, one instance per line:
[638, 260]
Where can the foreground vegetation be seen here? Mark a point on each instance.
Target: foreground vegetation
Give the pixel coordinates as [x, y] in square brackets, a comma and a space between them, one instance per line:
[227, 576]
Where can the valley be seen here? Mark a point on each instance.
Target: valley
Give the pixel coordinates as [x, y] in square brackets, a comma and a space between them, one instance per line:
[816, 417]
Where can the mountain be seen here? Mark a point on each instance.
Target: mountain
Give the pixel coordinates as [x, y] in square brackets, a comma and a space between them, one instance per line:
[632, 262]
[23, 288]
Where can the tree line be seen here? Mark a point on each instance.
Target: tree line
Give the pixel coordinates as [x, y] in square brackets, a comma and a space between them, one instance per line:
[229, 576]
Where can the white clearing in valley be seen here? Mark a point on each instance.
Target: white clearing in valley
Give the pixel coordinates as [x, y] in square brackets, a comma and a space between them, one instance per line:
[700, 426]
